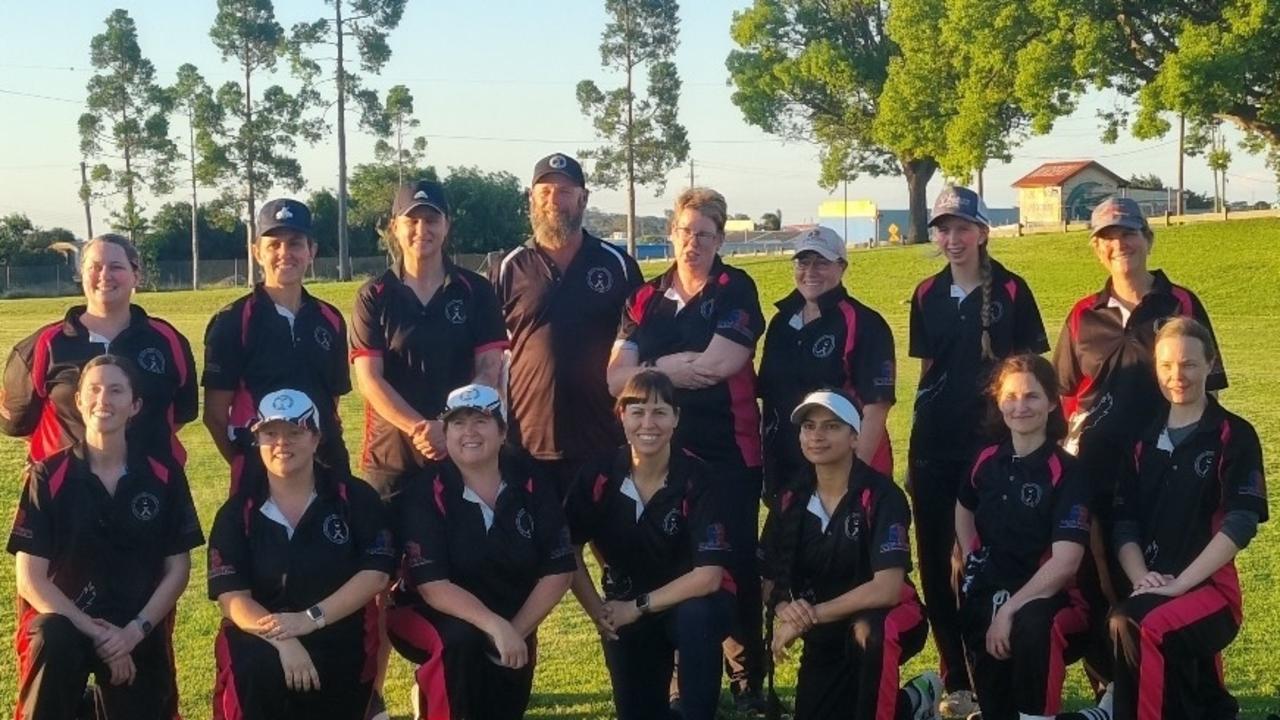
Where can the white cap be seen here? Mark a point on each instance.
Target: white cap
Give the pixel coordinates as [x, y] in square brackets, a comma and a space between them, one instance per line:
[291, 406]
[838, 404]
[481, 398]
[824, 241]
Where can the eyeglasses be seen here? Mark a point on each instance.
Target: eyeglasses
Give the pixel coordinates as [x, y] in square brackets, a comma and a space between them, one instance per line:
[703, 238]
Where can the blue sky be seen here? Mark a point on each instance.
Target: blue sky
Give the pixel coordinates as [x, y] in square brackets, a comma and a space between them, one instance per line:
[493, 83]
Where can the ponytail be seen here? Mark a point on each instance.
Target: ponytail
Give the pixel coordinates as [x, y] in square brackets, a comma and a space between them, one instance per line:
[984, 258]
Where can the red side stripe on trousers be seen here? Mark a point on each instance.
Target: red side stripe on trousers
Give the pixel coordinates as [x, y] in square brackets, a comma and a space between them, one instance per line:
[226, 704]
[1070, 620]
[1170, 617]
[899, 621]
[22, 643]
[432, 692]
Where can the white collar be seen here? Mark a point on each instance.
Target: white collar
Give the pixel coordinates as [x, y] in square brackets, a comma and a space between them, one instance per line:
[1124, 311]
[958, 293]
[285, 313]
[486, 512]
[797, 321]
[1164, 442]
[272, 512]
[815, 508]
[96, 338]
[674, 296]
[630, 490]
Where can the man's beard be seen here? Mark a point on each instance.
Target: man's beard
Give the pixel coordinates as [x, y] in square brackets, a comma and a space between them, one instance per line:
[553, 228]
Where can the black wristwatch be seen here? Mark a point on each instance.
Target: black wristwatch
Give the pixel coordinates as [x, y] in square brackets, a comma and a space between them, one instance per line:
[145, 624]
[316, 615]
[642, 603]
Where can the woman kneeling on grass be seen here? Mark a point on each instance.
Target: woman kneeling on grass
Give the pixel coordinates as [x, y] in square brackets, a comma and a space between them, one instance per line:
[295, 561]
[486, 558]
[654, 520]
[1190, 497]
[102, 536]
[837, 555]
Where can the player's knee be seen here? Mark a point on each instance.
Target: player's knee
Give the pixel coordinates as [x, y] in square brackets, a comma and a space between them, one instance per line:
[55, 636]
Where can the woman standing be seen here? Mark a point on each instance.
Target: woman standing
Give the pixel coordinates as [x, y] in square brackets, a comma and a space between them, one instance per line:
[963, 321]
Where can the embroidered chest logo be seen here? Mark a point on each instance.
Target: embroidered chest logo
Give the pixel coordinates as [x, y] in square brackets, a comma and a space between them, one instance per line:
[671, 523]
[335, 530]
[145, 506]
[852, 526]
[151, 360]
[455, 312]
[707, 307]
[524, 524]
[824, 346]
[323, 338]
[600, 279]
[1204, 463]
[997, 311]
[1031, 494]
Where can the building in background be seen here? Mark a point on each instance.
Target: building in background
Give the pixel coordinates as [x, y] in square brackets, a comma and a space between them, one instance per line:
[861, 221]
[1059, 192]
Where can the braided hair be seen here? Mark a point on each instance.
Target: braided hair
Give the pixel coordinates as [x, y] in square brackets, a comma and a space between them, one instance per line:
[984, 259]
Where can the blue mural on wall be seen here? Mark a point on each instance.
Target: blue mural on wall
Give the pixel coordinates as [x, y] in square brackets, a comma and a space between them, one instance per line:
[1083, 198]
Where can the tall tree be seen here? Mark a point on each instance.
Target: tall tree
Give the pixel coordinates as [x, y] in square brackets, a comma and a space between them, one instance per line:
[490, 210]
[397, 124]
[126, 118]
[193, 98]
[644, 139]
[365, 23]
[249, 147]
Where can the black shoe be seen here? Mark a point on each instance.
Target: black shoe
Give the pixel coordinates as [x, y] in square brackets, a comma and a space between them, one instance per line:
[677, 710]
[750, 702]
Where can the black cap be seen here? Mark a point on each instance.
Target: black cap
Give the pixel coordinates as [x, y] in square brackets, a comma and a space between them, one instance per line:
[962, 203]
[284, 213]
[420, 192]
[559, 163]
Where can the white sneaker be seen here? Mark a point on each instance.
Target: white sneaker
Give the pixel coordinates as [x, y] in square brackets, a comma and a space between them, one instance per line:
[927, 687]
[959, 704]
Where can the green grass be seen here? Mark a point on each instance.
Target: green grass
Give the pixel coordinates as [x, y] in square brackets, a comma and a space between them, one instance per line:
[1231, 266]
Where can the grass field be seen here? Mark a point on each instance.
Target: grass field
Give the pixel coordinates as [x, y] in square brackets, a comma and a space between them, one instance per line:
[1231, 267]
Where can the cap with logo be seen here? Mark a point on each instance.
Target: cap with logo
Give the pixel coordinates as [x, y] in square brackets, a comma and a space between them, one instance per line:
[480, 398]
[824, 241]
[559, 163]
[287, 405]
[1118, 212]
[284, 214]
[960, 202]
[839, 405]
[420, 193]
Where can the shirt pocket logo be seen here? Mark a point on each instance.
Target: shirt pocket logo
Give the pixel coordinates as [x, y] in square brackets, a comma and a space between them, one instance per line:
[671, 523]
[323, 338]
[1204, 463]
[852, 526]
[524, 524]
[1031, 495]
[151, 360]
[145, 506]
[600, 279]
[455, 312]
[335, 530]
[824, 346]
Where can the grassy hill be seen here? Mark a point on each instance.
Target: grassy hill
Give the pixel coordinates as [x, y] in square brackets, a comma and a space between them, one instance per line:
[1230, 266]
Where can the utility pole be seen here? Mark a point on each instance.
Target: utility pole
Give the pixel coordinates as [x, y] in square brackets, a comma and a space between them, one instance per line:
[845, 213]
[84, 196]
[691, 183]
[1182, 158]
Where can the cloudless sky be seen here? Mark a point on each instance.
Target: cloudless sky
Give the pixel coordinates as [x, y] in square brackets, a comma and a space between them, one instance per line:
[493, 83]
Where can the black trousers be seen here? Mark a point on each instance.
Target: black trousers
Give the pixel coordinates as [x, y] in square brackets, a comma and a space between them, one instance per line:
[1167, 663]
[456, 679]
[744, 647]
[932, 485]
[256, 688]
[55, 661]
[640, 661]
[849, 669]
[1047, 635]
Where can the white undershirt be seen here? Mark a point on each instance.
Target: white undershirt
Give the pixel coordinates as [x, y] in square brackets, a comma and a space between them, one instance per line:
[1124, 311]
[272, 512]
[95, 337]
[958, 293]
[816, 509]
[286, 314]
[486, 512]
[630, 490]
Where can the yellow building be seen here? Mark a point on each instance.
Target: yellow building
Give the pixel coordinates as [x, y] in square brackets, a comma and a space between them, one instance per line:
[1064, 191]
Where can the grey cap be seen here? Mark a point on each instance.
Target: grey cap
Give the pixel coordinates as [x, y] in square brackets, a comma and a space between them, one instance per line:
[824, 241]
[962, 203]
[1118, 212]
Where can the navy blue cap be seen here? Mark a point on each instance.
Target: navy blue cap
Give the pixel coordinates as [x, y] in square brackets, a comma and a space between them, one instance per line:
[1118, 211]
[559, 163]
[286, 214]
[418, 193]
[962, 203]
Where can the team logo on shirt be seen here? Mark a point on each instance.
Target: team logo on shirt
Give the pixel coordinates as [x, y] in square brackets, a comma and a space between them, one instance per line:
[1031, 494]
[895, 539]
[997, 311]
[145, 506]
[852, 526]
[600, 279]
[87, 597]
[1150, 553]
[824, 346]
[151, 360]
[218, 568]
[1204, 463]
[335, 529]
[707, 307]
[455, 312]
[323, 338]
[524, 523]
[717, 538]
[671, 523]
[1077, 519]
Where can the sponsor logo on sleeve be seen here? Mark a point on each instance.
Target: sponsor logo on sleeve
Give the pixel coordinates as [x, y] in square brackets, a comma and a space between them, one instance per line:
[1255, 485]
[739, 322]
[1077, 519]
[218, 568]
[896, 539]
[20, 528]
[716, 539]
[381, 545]
[888, 375]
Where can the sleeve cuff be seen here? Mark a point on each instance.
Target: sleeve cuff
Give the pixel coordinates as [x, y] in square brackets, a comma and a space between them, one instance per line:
[363, 352]
[495, 345]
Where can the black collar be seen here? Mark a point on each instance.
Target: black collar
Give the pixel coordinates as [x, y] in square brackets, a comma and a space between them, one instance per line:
[1159, 284]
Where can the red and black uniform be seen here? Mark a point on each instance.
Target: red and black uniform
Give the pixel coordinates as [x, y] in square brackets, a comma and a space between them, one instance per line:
[43, 372]
[427, 351]
[106, 554]
[253, 347]
[497, 554]
[1022, 505]
[1176, 497]
[849, 668]
[642, 547]
[850, 347]
[562, 326]
[947, 429]
[720, 423]
[344, 530]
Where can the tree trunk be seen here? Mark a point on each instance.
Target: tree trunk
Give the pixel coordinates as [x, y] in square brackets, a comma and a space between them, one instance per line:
[195, 231]
[130, 210]
[1182, 158]
[84, 196]
[344, 253]
[631, 150]
[918, 173]
[251, 227]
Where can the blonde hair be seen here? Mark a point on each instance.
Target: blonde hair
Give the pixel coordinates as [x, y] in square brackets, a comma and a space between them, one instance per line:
[706, 202]
[120, 241]
[1185, 327]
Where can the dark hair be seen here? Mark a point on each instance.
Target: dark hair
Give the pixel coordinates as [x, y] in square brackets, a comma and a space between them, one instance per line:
[497, 417]
[644, 386]
[1186, 327]
[120, 241]
[125, 364]
[1042, 370]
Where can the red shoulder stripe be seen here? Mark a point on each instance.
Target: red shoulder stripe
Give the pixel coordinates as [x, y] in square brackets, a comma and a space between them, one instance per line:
[175, 347]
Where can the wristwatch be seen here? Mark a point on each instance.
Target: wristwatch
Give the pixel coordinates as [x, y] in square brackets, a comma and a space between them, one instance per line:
[642, 603]
[316, 615]
[144, 624]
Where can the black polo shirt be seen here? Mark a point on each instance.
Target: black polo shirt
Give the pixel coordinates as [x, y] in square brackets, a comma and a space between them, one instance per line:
[562, 327]
[721, 423]
[106, 552]
[810, 556]
[343, 531]
[1106, 366]
[441, 528]
[849, 346]
[1022, 506]
[251, 349]
[643, 547]
[951, 400]
[43, 372]
[1178, 496]
[427, 351]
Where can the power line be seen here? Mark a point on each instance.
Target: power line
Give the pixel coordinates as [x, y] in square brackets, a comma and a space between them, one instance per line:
[39, 97]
